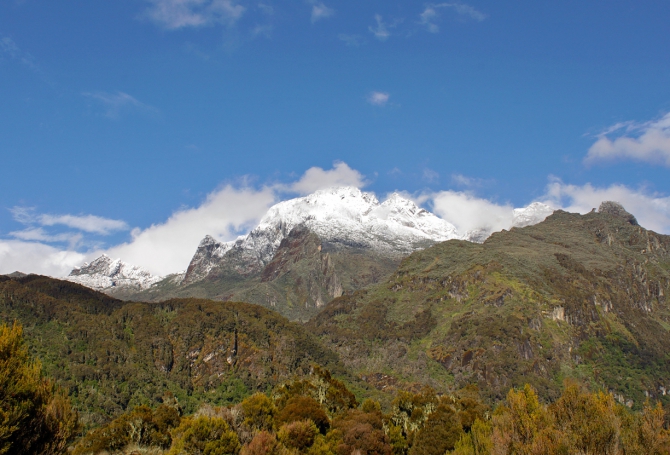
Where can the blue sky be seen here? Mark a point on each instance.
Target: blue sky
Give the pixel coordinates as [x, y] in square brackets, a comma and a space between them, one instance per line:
[116, 117]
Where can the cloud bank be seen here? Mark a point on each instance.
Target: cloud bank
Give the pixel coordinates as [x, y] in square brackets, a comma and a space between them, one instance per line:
[647, 142]
[233, 209]
[161, 248]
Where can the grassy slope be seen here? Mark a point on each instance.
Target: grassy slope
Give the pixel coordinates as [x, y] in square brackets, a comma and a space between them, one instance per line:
[460, 312]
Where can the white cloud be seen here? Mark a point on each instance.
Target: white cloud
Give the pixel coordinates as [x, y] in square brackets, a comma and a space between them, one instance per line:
[115, 103]
[40, 235]
[465, 10]
[321, 11]
[33, 257]
[168, 247]
[468, 212]
[378, 98]
[381, 31]
[86, 223]
[164, 247]
[430, 14]
[176, 14]
[648, 142]
[316, 178]
[652, 210]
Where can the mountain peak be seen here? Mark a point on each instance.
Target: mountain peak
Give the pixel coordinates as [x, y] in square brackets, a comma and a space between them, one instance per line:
[617, 210]
[105, 273]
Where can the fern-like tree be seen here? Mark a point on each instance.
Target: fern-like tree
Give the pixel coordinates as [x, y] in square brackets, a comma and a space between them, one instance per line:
[35, 415]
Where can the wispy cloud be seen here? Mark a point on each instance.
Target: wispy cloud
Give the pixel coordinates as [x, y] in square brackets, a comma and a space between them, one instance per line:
[10, 49]
[430, 176]
[87, 223]
[350, 40]
[262, 30]
[320, 11]
[53, 233]
[115, 103]
[381, 30]
[469, 182]
[176, 14]
[378, 98]
[647, 142]
[38, 234]
[430, 14]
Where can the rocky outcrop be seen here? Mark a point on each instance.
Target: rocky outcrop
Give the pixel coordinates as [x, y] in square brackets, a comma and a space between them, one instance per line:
[111, 275]
[616, 209]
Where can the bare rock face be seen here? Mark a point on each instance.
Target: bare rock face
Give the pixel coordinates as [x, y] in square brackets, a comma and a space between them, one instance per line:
[616, 209]
[209, 252]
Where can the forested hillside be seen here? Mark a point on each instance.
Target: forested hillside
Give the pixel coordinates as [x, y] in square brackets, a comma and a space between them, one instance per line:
[112, 355]
[581, 296]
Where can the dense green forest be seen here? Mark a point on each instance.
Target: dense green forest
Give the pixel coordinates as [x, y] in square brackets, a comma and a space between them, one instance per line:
[317, 414]
[550, 339]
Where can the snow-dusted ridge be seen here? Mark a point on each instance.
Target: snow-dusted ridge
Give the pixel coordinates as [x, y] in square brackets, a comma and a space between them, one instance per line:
[105, 274]
[341, 217]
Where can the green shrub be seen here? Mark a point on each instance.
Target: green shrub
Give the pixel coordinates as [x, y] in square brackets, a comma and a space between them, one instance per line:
[35, 416]
[204, 436]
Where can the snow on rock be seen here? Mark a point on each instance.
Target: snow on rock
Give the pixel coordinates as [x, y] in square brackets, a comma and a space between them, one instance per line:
[533, 214]
[340, 217]
[526, 216]
[105, 274]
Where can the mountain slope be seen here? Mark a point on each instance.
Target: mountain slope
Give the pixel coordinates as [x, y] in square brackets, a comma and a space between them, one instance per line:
[340, 217]
[113, 276]
[575, 295]
[304, 252]
[307, 251]
[112, 355]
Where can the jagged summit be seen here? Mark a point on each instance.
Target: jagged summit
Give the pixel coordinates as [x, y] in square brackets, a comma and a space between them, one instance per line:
[105, 273]
[532, 214]
[341, 217]
[616, 209]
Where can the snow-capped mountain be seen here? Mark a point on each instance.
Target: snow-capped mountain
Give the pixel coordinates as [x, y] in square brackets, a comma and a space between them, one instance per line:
[532, 214]
[105, 274]
[341, 217]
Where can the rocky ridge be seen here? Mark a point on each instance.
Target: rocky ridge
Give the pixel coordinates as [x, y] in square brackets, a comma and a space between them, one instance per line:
[105, 274]
[304, 251]
[341, 217]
